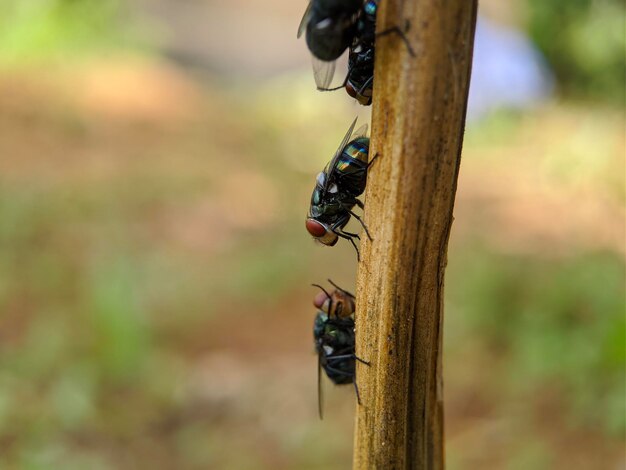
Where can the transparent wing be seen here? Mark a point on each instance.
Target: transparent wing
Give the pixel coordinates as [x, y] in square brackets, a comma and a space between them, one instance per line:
[305, 20]
[360, 132]
[320, 394]
[332, 163]
[323, 72]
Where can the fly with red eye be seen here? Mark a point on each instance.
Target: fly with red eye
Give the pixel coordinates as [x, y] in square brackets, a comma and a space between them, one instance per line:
[359, 81]
[333, 333]
[337, 189]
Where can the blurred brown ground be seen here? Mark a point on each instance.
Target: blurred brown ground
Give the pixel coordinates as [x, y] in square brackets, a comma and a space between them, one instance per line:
[192, 193]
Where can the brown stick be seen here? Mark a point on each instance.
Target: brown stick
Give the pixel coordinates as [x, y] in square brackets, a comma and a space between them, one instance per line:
[418, 122]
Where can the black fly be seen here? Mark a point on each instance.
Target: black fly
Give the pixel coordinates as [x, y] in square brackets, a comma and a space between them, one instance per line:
[330, 27]
[337, 189]
[333, 332]
[359, 81]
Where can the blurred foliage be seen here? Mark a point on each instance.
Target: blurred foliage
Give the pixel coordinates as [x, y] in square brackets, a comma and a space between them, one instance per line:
[552, 321]
[41, 29]
[583, 40]
[127, 244]
[585, 43]
[132, 256]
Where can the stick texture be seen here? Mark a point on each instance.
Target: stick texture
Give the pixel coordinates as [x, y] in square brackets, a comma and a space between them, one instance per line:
[418, 121]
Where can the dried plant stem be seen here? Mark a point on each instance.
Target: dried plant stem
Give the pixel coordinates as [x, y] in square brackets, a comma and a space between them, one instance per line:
[418, 122]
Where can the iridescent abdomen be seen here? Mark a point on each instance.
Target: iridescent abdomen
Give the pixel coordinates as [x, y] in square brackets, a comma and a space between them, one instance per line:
[340, 371]
[334, 342]
[357, 149]
[351, 167]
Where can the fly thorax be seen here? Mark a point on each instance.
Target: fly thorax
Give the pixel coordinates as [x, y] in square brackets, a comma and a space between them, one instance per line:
[319, 324]
[316, 197]
[370, 8]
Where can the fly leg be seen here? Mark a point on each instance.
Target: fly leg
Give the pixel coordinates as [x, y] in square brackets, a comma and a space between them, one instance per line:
[328, 296]
[365, 85]
[362, 170]
[356, 387]
[340, 289]
[371, 161]
[341, 372]
[367, 232]
[400, 33]
[337, 229]
[343, 85]
[345, 81]
[356, 390]
[349, 237]
[362, 361]
[350, 234]
[348, 356]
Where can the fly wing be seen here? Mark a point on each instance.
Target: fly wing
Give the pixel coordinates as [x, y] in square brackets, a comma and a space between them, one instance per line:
[360, 132]
[305, 20]
[331, 165]
[323, 72]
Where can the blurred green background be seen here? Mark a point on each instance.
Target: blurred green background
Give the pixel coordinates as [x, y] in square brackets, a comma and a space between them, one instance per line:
[156, 163]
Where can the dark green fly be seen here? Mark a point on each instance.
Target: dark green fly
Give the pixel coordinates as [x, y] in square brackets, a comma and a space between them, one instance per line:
[337, 189]
[333, 333]
[330, 26]
[359, 81]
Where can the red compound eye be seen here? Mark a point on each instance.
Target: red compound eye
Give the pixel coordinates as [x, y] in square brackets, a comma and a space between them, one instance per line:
[320, 299]
[350, 90]
[315, 228]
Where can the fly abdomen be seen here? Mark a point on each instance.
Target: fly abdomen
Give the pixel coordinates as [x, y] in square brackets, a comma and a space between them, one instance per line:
[352, 167]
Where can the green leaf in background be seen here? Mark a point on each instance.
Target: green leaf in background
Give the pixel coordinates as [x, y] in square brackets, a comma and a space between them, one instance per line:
[38, 29]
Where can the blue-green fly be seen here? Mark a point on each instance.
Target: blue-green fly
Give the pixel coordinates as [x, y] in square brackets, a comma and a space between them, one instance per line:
[333, 333]
[337, 189]
[359, 81]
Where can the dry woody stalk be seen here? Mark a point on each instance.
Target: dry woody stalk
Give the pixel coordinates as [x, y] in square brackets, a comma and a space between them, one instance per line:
[418, 122]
